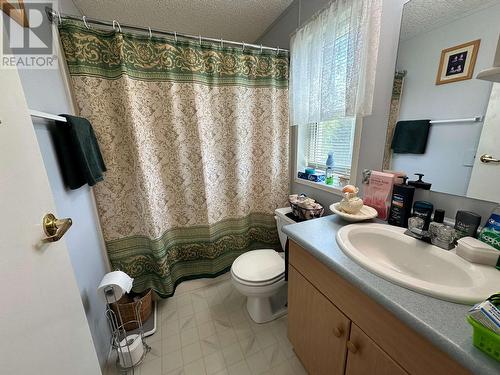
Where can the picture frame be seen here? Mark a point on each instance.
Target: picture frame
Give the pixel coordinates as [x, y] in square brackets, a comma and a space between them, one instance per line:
[16, 11]
[457, 62]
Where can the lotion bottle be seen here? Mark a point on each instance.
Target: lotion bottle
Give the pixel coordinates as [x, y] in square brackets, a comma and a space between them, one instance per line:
[402, 199]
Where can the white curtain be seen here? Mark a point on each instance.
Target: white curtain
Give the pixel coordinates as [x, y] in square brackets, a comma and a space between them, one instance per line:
[333, 62]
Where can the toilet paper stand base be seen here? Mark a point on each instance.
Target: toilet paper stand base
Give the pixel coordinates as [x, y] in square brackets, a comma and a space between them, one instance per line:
[131, 349]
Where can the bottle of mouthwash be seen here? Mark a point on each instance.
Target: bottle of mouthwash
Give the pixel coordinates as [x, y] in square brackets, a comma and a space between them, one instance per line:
[329, 169]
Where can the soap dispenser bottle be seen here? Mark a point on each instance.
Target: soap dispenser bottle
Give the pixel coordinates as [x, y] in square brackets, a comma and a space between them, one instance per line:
[402, 199]
[423, 188]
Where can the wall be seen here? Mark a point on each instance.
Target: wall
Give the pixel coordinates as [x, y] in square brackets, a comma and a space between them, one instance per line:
[45, 91]
[449, 156]
[374, 126]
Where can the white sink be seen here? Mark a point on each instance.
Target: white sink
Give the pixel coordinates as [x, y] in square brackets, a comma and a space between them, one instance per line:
[387, 252]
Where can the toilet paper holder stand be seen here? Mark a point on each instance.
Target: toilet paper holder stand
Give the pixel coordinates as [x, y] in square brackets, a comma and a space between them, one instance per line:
[129, 356]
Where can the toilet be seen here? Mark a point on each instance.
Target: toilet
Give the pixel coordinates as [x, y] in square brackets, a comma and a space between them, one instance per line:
[260, 276]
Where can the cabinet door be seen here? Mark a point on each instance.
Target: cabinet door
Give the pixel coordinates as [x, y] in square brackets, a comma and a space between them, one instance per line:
[365, 357]
[317, 330]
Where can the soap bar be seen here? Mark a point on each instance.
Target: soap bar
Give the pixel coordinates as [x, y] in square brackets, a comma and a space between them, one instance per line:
[476, 251]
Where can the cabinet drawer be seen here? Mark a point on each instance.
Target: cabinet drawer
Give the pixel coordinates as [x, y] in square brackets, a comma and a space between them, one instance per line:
[317, 330]
[408, 348]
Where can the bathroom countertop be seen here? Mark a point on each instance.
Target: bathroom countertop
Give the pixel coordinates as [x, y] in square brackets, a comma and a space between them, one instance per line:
[443, 323]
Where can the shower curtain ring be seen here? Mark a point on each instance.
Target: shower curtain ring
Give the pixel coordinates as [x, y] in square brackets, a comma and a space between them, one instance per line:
[115, 23]
[221, 43]
[277, 50]
[84, 18]
[261, 48]
[243, 49]
[150, 33]
[175, 36]
[199, 36]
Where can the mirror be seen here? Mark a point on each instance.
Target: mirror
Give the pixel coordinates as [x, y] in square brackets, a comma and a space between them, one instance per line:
[443, 46]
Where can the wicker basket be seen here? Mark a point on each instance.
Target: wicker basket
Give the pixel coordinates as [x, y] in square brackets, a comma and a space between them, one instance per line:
[127, 305]
[306, 213]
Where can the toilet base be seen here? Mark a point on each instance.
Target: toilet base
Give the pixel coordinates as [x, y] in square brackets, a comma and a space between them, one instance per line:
[266, 309]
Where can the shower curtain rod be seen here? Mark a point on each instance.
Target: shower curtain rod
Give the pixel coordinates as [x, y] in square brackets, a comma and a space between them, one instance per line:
[53, 15]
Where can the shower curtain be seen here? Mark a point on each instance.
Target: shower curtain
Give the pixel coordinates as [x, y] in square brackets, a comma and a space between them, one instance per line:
[195, 139]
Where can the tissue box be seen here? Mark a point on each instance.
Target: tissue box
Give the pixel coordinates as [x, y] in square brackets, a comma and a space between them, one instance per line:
[315, 177]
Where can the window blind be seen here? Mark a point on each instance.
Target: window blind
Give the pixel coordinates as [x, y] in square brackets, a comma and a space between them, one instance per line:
[335, 136]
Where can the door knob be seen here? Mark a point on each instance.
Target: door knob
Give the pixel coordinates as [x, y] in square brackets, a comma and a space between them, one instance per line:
[55, 228]
[351, 347]
[485, 158]
[338, 331]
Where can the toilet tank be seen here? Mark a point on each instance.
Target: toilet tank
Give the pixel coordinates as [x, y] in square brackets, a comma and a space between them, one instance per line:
[281, 220]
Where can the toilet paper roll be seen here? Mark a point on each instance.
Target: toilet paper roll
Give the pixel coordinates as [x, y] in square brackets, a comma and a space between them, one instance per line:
[132, 353]
[114, 285]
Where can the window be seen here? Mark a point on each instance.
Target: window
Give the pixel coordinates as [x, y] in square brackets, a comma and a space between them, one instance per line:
[332, 75]
[335, 136]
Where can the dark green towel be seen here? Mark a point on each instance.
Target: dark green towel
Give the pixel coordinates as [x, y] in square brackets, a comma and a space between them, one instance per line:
[78, 152]
[410, 137]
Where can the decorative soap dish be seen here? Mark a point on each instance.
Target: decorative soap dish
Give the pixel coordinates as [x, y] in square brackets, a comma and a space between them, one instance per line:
[366, 213]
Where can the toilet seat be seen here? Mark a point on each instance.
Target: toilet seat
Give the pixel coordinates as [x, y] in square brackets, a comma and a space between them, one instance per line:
[259, 267]
[259, 283]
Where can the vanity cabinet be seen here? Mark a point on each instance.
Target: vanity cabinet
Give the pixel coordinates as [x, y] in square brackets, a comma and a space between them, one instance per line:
[315, 324]
[335, 328]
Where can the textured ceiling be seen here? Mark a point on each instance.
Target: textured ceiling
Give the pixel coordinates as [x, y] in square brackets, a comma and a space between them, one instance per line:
[238, 20]
[424, 15]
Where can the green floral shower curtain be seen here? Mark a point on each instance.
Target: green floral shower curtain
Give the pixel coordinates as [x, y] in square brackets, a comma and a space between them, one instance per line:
[195, 138]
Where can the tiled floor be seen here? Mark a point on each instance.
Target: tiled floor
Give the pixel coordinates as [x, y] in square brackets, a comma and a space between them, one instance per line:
[205, 329]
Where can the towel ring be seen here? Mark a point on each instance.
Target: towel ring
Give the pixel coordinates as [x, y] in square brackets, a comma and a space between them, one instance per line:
[115, 23]
[150, 33]
[84, 18]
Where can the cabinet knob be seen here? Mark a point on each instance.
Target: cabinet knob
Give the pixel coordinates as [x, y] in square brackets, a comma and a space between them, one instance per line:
[338, 331]
[351, 347]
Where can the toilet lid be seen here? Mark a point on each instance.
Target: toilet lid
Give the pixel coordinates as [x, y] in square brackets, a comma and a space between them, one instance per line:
[258, 266]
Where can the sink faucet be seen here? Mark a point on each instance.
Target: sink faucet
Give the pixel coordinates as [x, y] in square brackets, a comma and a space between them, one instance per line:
[416, 229]
[442, 236]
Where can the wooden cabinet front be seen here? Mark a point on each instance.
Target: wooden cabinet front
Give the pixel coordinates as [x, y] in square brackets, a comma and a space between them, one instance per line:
[366, 357]
[317, 330]
[320, 302]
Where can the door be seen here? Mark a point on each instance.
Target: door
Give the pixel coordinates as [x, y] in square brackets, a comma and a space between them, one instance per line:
[43, 328]
[485, 177]
[365, 357]
[317, 330]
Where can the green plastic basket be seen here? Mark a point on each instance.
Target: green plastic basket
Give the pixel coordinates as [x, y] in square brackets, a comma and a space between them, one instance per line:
[485, 340]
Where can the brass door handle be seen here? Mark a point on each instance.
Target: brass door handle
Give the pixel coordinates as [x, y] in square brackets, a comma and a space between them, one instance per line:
[485, 158]
[55, 228]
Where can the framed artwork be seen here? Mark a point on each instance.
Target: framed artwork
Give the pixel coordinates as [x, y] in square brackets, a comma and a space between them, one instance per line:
[457, 63]
[16, 11]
